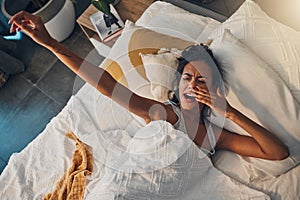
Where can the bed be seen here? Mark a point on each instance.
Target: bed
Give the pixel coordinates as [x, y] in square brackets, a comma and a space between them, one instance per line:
[260, 59]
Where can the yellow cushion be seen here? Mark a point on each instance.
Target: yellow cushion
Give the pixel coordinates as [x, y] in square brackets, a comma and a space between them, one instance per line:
[114, 69]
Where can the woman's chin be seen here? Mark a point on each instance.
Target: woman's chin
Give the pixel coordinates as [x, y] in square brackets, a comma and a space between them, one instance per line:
[188, 105]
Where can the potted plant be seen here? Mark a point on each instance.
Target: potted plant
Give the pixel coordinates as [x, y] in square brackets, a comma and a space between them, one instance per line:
[57, 15]
[103, 5]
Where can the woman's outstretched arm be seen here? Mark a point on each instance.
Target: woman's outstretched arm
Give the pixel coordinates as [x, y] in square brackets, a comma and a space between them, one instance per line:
[262, 144]
[97, 77]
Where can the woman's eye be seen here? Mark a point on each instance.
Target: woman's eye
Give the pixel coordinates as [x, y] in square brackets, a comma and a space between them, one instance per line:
[201, 81]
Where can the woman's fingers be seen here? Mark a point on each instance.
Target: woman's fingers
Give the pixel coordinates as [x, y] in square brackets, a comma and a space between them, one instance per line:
[32, 25]
[13, 28]
[24, 21]
[205, 93]
[215, 101]
[22, 15]
[21, 25]
[204, 97]
[205, 100]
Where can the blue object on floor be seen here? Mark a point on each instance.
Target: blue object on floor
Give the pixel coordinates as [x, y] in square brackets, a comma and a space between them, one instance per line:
[17, 36]
[4, 28]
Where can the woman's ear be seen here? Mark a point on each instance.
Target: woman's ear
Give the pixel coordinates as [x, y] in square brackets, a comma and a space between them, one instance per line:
[171, 94]
[174, 96]
[221, 90]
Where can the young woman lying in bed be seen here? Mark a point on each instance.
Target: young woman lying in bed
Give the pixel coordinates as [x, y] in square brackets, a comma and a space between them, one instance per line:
[198, 93]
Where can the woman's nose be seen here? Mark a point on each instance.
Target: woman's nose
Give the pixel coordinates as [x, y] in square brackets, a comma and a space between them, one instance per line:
[192, 85]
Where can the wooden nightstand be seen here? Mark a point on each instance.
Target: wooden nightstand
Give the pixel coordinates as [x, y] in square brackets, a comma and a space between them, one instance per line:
[127, 9]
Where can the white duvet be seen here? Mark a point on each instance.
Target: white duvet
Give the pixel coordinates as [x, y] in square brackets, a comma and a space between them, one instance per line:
[132, 161]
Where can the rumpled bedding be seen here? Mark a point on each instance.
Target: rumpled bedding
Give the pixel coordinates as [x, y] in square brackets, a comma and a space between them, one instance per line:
[131, 160]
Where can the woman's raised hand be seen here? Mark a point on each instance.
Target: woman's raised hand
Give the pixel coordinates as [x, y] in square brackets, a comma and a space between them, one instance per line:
[32, 25]
[216, 101]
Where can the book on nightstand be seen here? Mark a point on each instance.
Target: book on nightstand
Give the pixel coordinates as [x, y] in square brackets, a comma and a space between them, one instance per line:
[107, 26]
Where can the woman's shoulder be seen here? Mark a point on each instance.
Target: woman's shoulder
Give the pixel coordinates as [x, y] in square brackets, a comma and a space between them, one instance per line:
[174, 114]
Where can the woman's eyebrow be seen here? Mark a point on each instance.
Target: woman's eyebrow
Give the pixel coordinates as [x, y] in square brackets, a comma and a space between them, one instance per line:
[187, 74]
[201, 77]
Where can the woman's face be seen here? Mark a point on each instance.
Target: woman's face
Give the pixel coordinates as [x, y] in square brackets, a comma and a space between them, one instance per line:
[196, 75]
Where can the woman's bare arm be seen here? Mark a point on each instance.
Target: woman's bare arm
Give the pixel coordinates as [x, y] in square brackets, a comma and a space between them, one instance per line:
[97, 77]
[262, 144]
[102, 81]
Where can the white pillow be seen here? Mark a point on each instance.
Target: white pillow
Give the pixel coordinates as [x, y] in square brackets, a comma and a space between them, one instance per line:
[161, 71]
[276, 43]
[171, 20]
[258, 92]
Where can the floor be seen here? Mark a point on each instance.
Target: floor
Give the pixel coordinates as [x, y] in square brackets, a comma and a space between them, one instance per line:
[30, 99]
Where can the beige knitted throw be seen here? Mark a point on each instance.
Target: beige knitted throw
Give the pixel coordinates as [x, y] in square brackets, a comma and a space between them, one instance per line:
[72, 184]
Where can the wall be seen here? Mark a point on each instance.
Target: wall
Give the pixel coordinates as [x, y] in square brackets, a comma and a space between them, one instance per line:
[284, 11]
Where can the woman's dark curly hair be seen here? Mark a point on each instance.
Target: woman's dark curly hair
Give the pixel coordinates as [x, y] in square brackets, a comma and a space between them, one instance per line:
[196, 53]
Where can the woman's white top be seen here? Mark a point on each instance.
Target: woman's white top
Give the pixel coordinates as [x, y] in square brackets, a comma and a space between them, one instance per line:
[180, 125]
